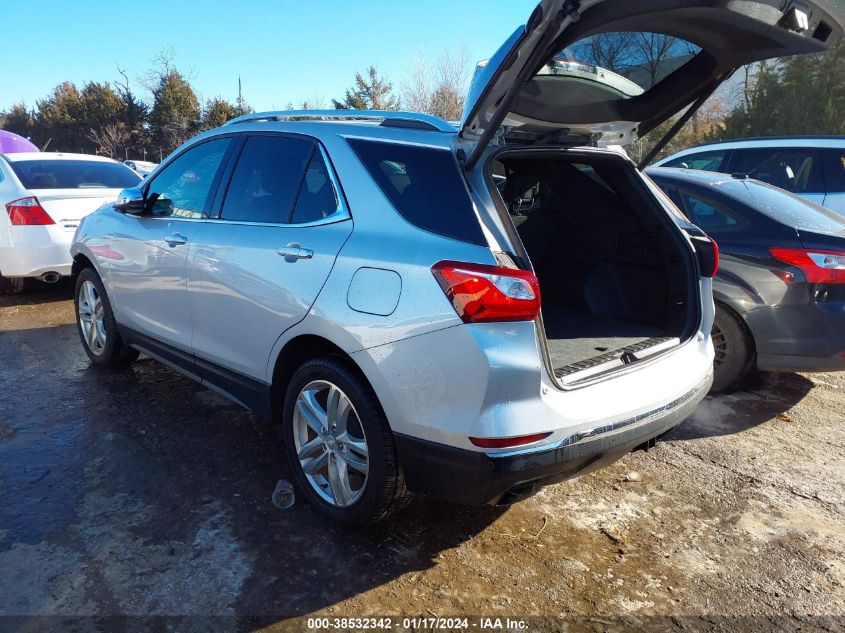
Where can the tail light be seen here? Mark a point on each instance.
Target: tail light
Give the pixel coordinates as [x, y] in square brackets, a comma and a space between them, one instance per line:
[707, 252]
[482, 293]
[28, 211]
[818, 266]
[508, 442]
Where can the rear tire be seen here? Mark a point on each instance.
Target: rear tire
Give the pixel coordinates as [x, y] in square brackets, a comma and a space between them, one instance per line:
[353, 474]
[734, 349]
[11, 285]
[96, 325]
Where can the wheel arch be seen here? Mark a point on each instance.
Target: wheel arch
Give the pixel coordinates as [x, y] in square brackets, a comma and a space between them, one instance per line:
[295, 352]
[737, 314]
[80, 262]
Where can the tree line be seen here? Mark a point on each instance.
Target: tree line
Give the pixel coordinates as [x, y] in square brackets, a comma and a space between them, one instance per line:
[796, 95]
[112, 118]
[804, 94]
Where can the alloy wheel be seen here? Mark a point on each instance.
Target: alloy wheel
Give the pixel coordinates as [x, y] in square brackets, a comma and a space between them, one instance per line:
[330, 443]
[720, 344]
[92, 318]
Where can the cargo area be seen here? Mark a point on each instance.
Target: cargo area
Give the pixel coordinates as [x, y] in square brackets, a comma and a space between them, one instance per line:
[615, 282]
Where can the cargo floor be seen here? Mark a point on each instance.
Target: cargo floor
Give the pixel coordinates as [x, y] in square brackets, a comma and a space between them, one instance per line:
[575, 336]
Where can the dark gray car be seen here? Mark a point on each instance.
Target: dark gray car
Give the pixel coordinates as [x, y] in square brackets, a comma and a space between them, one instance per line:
[780, 289]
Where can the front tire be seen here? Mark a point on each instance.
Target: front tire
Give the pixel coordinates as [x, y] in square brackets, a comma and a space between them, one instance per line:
[96, 325]
[340, 445]
[734, 349]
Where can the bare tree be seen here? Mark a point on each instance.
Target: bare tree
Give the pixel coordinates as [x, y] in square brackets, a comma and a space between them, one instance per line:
[163, 64]
[109, 138]
[438, 87]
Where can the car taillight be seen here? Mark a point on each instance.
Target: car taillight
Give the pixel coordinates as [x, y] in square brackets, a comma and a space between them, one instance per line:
[818, 266]
[508, 442]
[707, 252]
[28, 211]
[483, 293]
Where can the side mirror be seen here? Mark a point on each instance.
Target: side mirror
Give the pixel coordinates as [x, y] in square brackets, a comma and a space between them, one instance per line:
[131, 200]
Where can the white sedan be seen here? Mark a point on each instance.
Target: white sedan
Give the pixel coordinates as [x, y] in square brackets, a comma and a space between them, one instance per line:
[141, 167]
[45, 195]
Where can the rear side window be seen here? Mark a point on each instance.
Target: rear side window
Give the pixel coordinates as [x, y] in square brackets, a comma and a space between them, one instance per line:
[317, 197]
[266, 179]
[706, 161]
[74, 174]
[710, 216]
[424, 186]
[796, 169]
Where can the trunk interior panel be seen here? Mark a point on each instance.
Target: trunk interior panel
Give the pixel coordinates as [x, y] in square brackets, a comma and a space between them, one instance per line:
[614, 281]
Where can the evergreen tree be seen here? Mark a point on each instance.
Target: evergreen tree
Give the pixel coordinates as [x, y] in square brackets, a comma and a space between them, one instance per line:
[19, 120]
[217, 112]
[175, 114]
[370, 93]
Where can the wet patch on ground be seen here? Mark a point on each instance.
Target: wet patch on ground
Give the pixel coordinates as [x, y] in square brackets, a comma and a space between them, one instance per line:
[139, 492]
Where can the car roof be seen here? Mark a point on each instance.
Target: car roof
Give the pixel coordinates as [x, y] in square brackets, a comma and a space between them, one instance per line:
[345, 129]
[766, 141]
[20, 156]
[694, 176]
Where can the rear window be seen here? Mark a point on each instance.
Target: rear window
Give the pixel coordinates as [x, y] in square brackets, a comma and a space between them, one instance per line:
[618, 65]
[73, 174]
[424, 185]
[785, 207]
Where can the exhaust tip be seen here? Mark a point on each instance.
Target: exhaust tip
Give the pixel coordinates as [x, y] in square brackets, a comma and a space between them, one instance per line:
[50, 278]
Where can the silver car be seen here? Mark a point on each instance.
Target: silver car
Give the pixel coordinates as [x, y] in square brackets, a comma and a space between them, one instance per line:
[371, 281]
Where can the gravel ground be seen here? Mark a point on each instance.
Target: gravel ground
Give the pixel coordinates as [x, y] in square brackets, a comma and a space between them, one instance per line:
[140, 493]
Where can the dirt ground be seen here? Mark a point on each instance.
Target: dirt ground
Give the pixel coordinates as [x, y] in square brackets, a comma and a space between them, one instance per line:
[140, 493]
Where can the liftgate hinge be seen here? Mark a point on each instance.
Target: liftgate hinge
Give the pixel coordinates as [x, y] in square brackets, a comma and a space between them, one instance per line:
[572, 9]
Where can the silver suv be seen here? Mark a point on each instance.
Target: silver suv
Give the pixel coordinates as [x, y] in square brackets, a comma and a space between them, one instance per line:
[370, 281]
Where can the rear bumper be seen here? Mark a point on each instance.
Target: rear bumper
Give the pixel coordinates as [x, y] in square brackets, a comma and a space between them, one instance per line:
[477, 478]
[804, 337]
[31, 251]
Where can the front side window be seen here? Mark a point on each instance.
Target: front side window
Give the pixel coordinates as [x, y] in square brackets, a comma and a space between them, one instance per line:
[184, 187]
[266, 179]
[795, 169]
[706, 161]
[73, 174]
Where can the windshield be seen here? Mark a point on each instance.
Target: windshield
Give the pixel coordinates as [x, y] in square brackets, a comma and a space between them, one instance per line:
[73, 174]
[784, 207]
[626, 63]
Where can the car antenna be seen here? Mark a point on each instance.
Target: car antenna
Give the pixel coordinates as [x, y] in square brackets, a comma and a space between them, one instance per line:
[44, 149]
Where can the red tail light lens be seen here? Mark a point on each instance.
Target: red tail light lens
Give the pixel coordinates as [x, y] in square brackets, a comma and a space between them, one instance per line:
[489, 293]
[508, 442]
[28, 211]
[818, 266]
[707, 252]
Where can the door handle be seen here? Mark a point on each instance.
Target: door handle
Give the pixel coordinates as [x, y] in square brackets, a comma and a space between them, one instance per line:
[294, 251]
[175, 240]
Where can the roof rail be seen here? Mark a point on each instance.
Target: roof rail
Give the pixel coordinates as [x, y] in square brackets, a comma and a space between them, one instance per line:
[396, 118]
